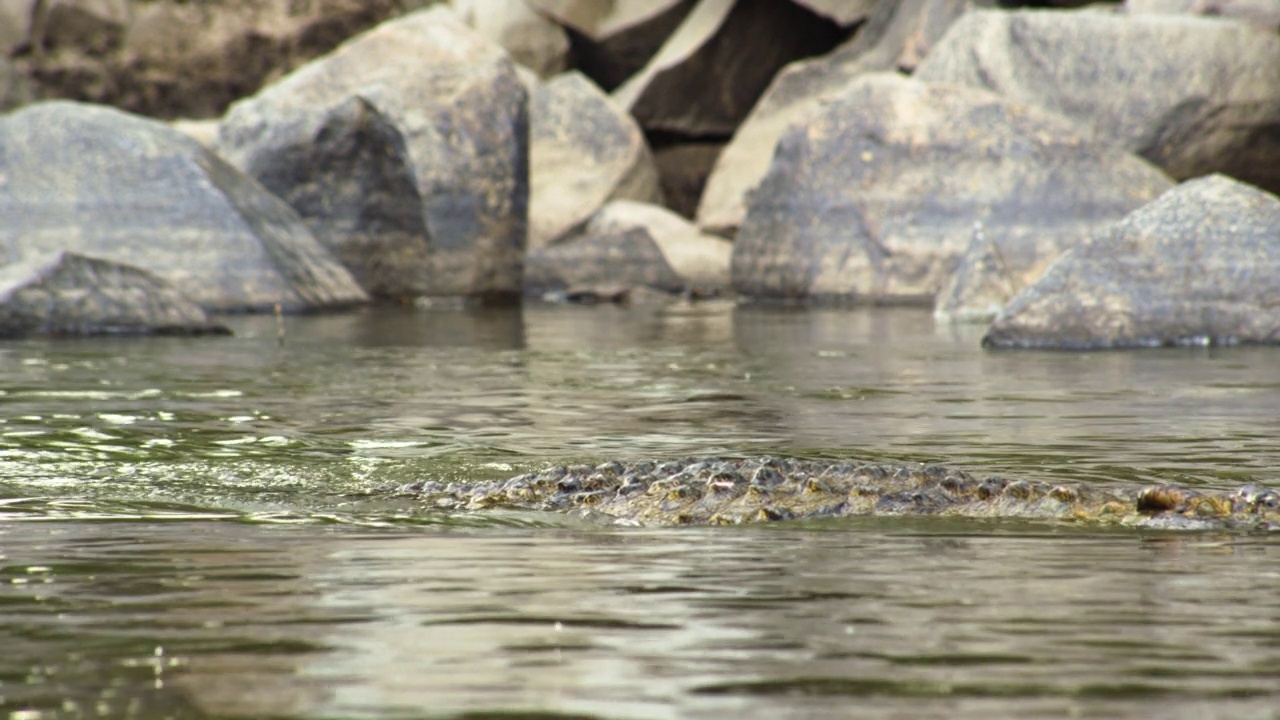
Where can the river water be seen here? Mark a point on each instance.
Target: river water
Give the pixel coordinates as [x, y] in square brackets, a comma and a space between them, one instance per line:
[191, 527]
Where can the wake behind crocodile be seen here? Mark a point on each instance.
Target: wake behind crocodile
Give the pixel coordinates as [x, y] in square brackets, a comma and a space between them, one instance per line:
[764, 489]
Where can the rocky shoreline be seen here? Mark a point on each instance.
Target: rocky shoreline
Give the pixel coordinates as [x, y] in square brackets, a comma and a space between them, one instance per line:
[1087, 177]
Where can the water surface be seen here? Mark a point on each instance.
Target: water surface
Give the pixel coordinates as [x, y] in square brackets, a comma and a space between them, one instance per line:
[190, 527]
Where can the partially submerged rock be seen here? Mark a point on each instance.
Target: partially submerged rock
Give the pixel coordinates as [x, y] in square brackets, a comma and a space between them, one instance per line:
[64, 293]
[701, 261]
[607, 265]
[875, 197]
[1194, 95]
[99, 181]
[584, 151]
[406, 151]
[714, 67]
[897, 36]
[1199, 266]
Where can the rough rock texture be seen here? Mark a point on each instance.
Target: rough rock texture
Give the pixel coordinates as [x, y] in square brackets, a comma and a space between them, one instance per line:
[583, 151]
[1263, 13]
[101, 182]
[713, 68]
[174, 58]
[701, 261]
[875, 197]
[613, 40]
[607, 265]
[1194, 95]
[897, 36]
[65, 293]
[406, 151]
[530, 38]
[981, 285]
[720, 491]
[1199, 266]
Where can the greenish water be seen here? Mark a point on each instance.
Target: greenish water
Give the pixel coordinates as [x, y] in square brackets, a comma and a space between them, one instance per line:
[189, 527]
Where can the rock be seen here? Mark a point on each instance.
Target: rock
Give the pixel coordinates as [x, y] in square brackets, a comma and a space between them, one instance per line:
[874, 197]
[1199, 266]
[613, 40]
[204, 132]
[101, 182]
[1263, 13]
[406, 152]
[174, 58]
[845, 13]
[530, 38]
[603, 266]
[897, 35]
[713, 68]
[701, 261]
[683, 168]
[14, 88]
[1193, 95]
[584, 151]
[66, 293]
[981, 284]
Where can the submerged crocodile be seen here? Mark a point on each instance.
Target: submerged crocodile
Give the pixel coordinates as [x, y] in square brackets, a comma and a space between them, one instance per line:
[732, 491]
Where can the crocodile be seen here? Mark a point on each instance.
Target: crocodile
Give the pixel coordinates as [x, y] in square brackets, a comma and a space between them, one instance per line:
[761, 489]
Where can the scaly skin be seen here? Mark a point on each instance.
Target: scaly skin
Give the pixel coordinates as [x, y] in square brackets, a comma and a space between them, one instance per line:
[732, 491]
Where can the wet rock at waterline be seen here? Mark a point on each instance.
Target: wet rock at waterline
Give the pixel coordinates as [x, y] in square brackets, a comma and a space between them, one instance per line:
[897, 36]
[980, 286]
[1194, 95]
[700, 261]
[1199, 266]
[99, 181]
[609, 265]
[713, 68]
[875, 197]
[406, 151]
[65, 293]
[584, 151]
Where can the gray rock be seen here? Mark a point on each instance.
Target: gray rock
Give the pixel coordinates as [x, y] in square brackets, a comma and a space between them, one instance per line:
[614, 39]
[66, 293]
[583, 151]
[607, 265]
[406, 152]
[1199, 266]
[701, 261]
[1194, 95]
[532, 40]
[846, 13]
[875, 197]
[119, 187]
[714, 67]
[1263, 13]
[896, 36]
[981, 284]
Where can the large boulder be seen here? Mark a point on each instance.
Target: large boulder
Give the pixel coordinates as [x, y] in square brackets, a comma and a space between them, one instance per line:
[611, 265]
[1194, 95]
[875, 197]
[406, 152]
[613, 40]
[583, 151]
[846, 13]
[701, 261]
[714, 67]
[1263, 13]
[99, 181]
[532, 40]
[897, 36]
[1199, 266]
[64, 293]
[175, 58]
